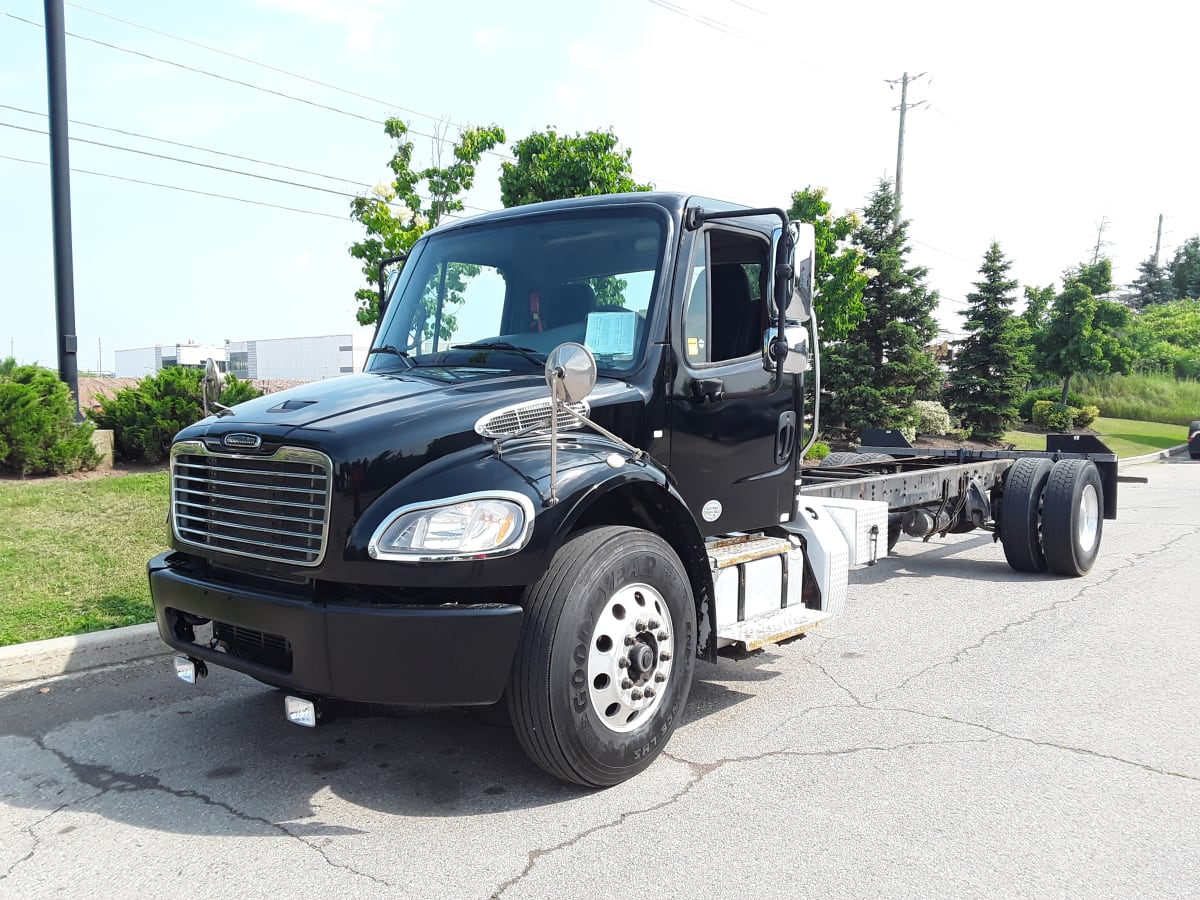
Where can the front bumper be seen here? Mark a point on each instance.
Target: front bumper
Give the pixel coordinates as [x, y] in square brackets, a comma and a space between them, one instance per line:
[429, 655]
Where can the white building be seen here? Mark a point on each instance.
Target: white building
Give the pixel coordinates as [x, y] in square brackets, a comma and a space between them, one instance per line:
[150, 360]
[272, 359]
[299, 359]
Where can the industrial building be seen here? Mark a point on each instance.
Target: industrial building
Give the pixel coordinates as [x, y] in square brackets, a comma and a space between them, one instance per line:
[276, 359]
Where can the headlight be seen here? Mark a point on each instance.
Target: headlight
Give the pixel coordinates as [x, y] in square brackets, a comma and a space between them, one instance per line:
[493, 524]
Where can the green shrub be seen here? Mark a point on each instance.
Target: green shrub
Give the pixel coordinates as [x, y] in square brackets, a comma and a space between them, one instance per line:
[1086, 416]
[817, 451]
[930, 417]
[1053, 416]
[1054, 395]
[144, 418]
[38, 434]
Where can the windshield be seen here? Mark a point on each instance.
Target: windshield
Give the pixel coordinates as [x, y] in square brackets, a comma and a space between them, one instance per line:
[498, 298]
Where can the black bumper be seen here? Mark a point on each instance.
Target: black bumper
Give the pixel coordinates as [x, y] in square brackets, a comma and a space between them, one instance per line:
[427, 655]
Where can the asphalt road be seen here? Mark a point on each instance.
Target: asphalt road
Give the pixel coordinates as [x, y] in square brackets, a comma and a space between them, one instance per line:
[963, 730]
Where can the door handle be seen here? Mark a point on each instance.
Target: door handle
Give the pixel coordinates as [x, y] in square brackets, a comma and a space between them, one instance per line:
[708, 390]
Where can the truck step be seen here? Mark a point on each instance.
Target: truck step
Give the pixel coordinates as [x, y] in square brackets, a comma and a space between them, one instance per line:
[772, 627]
[730, 551]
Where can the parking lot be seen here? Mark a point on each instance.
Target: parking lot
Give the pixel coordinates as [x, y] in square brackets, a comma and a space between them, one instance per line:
[961, 730]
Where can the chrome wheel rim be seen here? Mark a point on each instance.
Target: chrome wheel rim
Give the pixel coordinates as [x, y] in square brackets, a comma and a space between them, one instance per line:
[1089, 518]
[630, 657]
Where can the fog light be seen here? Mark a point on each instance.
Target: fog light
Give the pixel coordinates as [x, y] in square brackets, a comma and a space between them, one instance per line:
[300, 711]
[185, 669]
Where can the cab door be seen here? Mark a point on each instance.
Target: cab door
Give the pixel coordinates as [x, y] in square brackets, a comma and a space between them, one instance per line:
[733, 427]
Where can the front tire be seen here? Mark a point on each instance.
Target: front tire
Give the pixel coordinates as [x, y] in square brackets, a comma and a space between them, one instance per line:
[604, 663]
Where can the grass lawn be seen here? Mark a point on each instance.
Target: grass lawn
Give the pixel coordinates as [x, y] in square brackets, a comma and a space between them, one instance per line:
[1124, 436]
[73, 553]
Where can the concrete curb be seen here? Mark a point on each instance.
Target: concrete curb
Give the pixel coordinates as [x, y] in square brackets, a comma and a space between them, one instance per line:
[1177, 450]
[78, 653]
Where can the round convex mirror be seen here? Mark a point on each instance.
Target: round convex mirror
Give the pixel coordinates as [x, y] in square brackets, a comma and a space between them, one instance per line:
[571, 371]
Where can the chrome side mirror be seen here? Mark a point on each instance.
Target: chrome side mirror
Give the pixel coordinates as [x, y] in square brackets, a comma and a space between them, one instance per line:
[793, 347]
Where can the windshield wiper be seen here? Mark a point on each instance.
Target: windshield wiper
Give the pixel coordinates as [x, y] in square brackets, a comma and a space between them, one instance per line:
[526, 352]
[394, 351]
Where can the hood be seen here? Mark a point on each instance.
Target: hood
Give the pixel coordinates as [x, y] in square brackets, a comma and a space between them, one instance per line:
[378, 428]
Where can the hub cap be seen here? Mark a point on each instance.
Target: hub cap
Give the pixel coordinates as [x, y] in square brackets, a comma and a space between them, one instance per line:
[1089, 518]
[630, 660]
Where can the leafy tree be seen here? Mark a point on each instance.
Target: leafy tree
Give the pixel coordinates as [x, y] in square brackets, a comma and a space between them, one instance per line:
[882, 365]
[38, 433]
[1185, 269]
[1037, 307]
[1152, 286]
[1085, 334]
[550, 166]
[1166, 337]
[989, 371]
[395, 215]
[839, 278]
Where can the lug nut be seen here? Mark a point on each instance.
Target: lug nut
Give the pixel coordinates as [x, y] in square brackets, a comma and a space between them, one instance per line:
[636, 694]
[641, 625]
[630, 640]
[662, 636]
[660, 677]
[626, 684]
[623, 662]
[649, 692]
[654, 623]
[664, 655]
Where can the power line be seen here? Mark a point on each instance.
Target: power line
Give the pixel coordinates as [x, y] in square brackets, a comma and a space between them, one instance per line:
[175, 187]
[262, 65]
[189, 162]
[147, 137]
[714, 24]
[227, 169]
[226, 78]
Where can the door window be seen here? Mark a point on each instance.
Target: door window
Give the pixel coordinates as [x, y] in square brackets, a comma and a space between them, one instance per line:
[725, 313]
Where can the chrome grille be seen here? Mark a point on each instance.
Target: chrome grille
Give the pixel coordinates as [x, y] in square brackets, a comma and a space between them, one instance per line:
[267, 507]
[529, 416]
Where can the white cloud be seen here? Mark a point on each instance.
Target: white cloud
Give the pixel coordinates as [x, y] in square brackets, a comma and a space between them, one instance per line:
[360, 17]
[489, 37]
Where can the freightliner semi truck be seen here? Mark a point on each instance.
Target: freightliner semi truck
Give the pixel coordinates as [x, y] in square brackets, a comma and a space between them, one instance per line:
[571, 467]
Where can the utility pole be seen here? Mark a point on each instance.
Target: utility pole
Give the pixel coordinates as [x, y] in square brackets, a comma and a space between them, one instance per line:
[1158, 240]
[60, 191]
[904, 107]
[1100, 242]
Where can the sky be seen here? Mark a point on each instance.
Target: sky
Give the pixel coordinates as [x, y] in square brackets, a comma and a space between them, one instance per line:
[1041, 121]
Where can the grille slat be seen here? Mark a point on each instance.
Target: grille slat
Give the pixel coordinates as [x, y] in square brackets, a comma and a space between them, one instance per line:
[247, 517]
[291, 503]
[248, 485]
[272, 650]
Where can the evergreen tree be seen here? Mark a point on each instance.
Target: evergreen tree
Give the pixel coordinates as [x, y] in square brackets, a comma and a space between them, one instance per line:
[989, 371]
[882, 366]
[1152, 286]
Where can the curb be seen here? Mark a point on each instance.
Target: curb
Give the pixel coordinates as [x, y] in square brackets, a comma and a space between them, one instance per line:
[78, 653]
[1177, 450]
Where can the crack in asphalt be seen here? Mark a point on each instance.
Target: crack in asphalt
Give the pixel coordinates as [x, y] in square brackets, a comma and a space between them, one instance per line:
[1082, 751]
[37, 841]
[1078, 596]
[106, 779]
[699, 772]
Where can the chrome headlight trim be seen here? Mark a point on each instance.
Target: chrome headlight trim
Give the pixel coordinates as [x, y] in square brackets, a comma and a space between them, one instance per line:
[514, 545]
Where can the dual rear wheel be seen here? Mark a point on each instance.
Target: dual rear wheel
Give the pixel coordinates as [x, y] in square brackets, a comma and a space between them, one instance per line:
[1052, 516]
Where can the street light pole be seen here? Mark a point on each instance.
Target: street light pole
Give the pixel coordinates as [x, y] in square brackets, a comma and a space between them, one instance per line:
[60, 189]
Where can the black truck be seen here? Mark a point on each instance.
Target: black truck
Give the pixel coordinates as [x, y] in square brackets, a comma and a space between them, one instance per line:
[570, 467]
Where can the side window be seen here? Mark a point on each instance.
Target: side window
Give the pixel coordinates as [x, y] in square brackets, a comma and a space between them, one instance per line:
[695, 316]
[725, 313]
